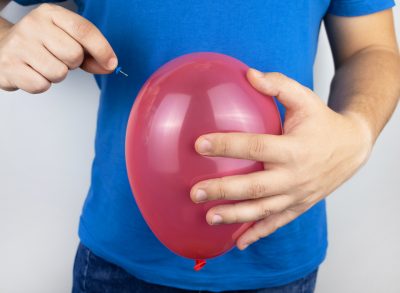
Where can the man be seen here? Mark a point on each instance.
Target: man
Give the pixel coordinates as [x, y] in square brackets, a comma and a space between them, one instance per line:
[322, 146]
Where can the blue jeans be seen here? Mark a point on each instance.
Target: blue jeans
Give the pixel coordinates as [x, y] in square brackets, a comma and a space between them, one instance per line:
[93, 274]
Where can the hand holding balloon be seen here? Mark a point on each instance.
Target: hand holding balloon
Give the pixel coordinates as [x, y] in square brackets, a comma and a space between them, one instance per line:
[188, 97]
[318, 151]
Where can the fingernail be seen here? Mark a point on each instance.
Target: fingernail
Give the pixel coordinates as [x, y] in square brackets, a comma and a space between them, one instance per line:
[200, 195]
[245, 246]
[257, 73]
[216, 219]
[112, 63]
[204, 146]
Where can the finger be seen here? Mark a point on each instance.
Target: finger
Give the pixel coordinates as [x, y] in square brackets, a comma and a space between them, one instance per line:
[90, 65]
[265, 227]
[63, 47]
[29, 80]
[256, 147]
[289, 92]
[45, 63]
[88, 35]
[241, 187]
[249, 210]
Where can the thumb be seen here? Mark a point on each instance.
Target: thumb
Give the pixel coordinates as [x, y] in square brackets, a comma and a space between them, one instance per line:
[289, 92]
[92, 66]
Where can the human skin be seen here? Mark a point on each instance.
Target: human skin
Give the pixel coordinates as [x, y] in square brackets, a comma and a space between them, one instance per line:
[48, 42]
[322, 145]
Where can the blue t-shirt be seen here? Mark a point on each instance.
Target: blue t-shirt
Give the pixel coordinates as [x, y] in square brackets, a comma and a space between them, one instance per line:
[268, 35]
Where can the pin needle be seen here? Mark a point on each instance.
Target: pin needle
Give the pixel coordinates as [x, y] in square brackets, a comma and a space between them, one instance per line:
[118, 70]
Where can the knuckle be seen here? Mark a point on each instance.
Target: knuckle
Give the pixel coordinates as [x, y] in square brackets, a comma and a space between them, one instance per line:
[6, 85]
[300, 182]
[235, 215]
[278, 76]
[299, 151]
[5, 60]
[75, 58]
[296, 177]
[221, 190]
[257, 189]
[292, 153]
[38, 87]
[42, 10]
[82, 28]
[45, 7]
[60, 73]
[301, 154]
[14, 43]
[256, 147]
[264, 211]
[26, 22]
[223, 146]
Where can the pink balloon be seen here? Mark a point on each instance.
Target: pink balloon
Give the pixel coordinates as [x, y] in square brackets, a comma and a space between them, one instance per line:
[189, 96]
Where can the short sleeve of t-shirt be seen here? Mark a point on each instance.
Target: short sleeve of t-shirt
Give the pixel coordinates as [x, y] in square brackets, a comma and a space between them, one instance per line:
[358, 7]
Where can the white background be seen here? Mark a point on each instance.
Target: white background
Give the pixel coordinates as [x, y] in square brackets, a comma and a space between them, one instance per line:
[46, 148]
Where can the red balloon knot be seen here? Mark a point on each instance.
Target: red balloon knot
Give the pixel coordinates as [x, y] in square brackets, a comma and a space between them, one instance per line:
[199, 264]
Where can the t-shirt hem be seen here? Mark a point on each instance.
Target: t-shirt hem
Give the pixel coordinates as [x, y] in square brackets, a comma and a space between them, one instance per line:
[219, 283]
[231, 282]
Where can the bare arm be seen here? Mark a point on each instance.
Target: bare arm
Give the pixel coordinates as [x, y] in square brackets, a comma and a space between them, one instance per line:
[321, 147]
[367, 79]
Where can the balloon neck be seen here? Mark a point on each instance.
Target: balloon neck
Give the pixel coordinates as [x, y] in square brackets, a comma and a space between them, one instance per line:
[199, 264]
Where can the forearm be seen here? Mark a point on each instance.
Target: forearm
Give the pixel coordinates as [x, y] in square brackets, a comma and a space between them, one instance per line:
[368, 85]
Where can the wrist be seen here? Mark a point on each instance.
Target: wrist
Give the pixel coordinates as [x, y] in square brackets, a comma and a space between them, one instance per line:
[364, 133]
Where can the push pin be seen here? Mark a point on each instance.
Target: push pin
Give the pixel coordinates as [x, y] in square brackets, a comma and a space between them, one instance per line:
[118, 71]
